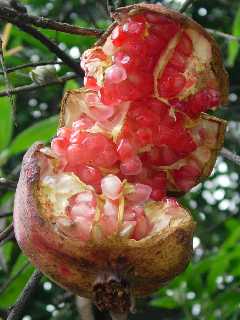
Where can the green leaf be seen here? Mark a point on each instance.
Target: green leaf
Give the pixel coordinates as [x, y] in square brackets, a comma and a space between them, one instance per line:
[164, 302]
[6, 122]
[233, 46]
[218, 268]
[232, 239]
[9, 297]
[70, 85]
[41, 131]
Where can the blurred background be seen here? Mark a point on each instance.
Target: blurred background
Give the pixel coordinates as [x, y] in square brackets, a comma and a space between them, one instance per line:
[210, 287]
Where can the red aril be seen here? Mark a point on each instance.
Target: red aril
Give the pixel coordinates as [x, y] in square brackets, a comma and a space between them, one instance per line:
[110, 208]
[171, 84]
[83, 123]
[83, 227]
[64, 133]
[111, 187]
[75, 155]
[86, 196]
[118, 36]
[133, 27]
[178, 61]
[59, 146]
[185, 45]
[131, 166]
[109, 225]
[158, 194]
[78, 136]
[125, 149]
[142, 228]
[186, 177]
[144, 136]
[141, 193]
[162, 156]
[115, 74]
[91, 83]
[90, 175]
[202, 101]
[82, 209]
[101, 112]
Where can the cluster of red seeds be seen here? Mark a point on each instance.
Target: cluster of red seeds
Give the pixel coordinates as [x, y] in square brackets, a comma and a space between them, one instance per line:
[82, 210]
[155, 132]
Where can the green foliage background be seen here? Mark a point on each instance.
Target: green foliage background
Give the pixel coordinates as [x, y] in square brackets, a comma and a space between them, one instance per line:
[209, 289]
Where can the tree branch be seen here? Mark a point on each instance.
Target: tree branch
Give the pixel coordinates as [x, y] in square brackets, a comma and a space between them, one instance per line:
[186, 5]
[25, 297]
[11, 236]
[6, 232]
[230, 156]
[6, 215]
[35, 86]
[84, 308]
[53, 47]
[7, 82]
[13, 278]
[46, 23]
[223, 35]
[110, 7]
[34, 64]
[8, 184]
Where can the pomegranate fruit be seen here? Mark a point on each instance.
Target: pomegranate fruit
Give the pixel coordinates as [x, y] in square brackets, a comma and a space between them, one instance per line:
[95, 211]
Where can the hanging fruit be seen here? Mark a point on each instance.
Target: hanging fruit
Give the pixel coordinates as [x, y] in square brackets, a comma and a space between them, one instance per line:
[95, 211]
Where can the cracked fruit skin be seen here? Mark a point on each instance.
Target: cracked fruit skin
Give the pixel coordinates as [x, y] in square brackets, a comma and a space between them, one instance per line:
[148, 263]
[94, 211]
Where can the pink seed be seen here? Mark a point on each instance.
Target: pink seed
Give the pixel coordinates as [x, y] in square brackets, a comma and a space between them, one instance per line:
[115, 74]
[83, 228]
[141, 194]
[64, 132]
[75, 154]
[133, 27]
[109, 225]
[132, 212]
[142, 228]
[101, 112]
[83, 123]
[82, 209]
[90, 175]
[59, 146]
[86, 196]
[125, 150]
[132, 166]
[111, 187]
[110, 208]
[186, 177]
[171, 85]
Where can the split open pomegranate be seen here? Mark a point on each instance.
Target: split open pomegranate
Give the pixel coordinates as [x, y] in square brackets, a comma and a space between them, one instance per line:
[95, 210]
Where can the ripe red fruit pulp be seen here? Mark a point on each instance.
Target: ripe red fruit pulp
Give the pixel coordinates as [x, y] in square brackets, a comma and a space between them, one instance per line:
[154, 64]
[133, 52]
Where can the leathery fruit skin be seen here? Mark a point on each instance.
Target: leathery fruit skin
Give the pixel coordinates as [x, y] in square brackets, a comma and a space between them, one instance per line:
[112, 269]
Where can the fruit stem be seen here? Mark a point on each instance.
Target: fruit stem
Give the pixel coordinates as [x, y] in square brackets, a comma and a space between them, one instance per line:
[118, 316]
[112, 293]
